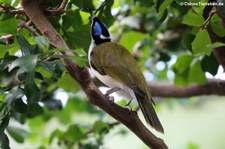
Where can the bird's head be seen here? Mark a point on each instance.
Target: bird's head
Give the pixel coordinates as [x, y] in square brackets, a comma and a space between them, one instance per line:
[99, 32]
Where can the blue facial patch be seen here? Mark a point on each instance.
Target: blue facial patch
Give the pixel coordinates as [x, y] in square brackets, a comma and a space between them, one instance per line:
[99, 32]
[97, 29]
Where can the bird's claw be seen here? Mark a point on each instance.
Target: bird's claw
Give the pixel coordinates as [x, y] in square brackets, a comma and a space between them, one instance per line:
[128, 108]
[111, 98]
[112, 90]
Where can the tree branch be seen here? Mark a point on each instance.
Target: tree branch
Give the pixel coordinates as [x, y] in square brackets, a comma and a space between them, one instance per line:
[81, 75]
[51, 12]
[211, 87]
[23, 24]
[6, 9]
[59, 10]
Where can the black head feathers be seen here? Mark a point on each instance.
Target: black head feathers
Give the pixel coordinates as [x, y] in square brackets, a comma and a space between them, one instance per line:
[99, 31]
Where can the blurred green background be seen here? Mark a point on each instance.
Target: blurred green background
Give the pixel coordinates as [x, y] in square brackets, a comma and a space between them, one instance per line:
[187, 126]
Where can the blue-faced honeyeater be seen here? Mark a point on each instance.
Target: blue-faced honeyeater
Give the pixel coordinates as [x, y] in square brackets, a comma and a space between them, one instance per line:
[116, 67]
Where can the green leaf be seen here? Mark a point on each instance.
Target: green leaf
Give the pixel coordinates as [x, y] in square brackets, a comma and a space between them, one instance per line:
[55, 134]
[80, 38]
[8, 26]
[20, 106]
[202, 43]
[25, 63]
[196, 75]
[164, 56]
[31, 89]
[17, 134]
[67, 83]
[6, 1]
[15, 3]
[193, 19]
[34, 109]
[24, 45]
[100, 127]
[4, 141]
[161, 6]
[180, 2]
[182, 64]
[181, 79]
[146, 2]
[74, 25]
[199, 8]
[85, 5]
[210, 64]
[73, 133]
[187, 40]
[80, 52]
[14, 94]
[181, 69]
[217, 26]
[42, 42]
[188, 70]
[80, 105]
[128, 40]
[4, 124]
[6, 61]
[4, 49]
[52, 67]
[217, 45]
[80, 61]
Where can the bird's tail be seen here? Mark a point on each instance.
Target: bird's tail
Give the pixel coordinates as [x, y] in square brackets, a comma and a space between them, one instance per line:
[149, 113]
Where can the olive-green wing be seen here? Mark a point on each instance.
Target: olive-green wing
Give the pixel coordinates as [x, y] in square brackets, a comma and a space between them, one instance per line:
[114, 60]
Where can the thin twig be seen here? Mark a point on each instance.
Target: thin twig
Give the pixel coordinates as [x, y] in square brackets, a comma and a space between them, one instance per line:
[23, 24]
[206, 22]
[50, 12]
[60, 10]
[6, 9]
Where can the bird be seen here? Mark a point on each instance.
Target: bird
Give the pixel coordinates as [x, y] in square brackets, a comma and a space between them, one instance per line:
[115, 66]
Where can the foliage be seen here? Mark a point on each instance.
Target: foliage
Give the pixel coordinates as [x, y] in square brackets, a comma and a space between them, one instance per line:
[32, 73]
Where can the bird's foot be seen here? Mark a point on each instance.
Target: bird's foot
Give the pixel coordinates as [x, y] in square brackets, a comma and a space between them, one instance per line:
[128, 107]
[111, 98]
[112, 90]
